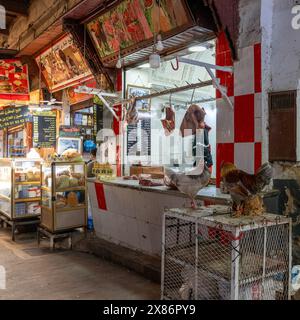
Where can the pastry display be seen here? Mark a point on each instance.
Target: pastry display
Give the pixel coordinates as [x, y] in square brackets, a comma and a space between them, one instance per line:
[27, 175]
[72, 199]
[69, 180]
[71, 155]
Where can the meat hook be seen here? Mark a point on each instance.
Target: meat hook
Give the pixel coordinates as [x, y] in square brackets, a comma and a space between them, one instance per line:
[177, 65]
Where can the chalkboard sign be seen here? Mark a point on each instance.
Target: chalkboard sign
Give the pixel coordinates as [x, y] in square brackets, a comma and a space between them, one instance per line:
[44, 130]
[98, 117]
[13, 116]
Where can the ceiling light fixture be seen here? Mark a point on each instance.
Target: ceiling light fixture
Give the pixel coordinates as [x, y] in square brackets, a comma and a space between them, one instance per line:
[119, 62]
[159, 45]
[198, 48]
[154, 60]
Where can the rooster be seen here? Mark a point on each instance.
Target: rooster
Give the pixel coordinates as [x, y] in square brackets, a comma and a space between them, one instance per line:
[243, 186]
[189, 182]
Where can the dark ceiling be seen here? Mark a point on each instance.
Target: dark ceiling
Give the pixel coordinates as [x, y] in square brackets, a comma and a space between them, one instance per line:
[13, 9]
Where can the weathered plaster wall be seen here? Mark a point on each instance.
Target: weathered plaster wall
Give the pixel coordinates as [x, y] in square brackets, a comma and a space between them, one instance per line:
[249, 24]
[281, 57]
[38, 20]
[281, 72]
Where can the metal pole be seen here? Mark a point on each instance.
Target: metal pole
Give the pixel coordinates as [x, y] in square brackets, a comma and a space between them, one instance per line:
[235, 265]
[206, 65]
[171, 91]
[163, 252]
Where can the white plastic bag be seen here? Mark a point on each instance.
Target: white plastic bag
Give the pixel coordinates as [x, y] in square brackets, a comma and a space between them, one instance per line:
[296, 278]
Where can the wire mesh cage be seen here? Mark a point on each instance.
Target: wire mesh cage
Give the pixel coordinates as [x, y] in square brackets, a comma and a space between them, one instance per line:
[218, 257]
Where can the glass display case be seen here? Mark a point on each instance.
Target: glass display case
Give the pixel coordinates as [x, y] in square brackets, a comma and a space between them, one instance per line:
[64, 195]
[20, 188]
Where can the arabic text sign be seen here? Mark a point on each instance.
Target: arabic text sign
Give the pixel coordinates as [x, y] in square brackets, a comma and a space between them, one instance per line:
[13, 116]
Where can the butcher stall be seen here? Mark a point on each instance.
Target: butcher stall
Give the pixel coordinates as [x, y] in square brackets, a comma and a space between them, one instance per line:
[131, 215]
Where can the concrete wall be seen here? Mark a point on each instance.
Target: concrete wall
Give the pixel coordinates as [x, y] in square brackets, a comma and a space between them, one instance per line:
[281, 58]
[281, 72]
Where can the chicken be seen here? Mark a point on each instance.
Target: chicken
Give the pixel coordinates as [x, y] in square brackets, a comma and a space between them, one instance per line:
[189, 182]
[243, 186]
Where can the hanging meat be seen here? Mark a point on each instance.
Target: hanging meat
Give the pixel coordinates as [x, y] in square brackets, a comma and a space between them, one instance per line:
[169, 122]
[132, 116]
[193, 120]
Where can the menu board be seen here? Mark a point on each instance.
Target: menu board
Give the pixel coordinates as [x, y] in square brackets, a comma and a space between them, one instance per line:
[98, 117]
[146, 137]
[139, 138]
[13, 116]
[132, 140]
[44, 130]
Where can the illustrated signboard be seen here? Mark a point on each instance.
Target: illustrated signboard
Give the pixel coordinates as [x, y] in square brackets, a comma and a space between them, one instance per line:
[136, 91]
[14, 84]
[74, 97]
[134, 21]
[13, 116]
[69, 131]
[44, 129]
[63, 65]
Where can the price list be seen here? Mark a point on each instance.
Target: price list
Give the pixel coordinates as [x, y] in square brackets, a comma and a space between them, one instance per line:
[44, 131]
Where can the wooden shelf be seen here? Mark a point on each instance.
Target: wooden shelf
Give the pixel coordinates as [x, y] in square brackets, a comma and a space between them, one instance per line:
[22, 216]
[26, 183]
[79, 188]
[45, 208]
[70, 208]
[28, 199]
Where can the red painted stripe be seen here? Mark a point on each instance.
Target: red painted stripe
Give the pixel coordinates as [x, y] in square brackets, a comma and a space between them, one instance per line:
[244, 118]
[100, 196]
[117, 124]
[222, 44]
[257, 156]
[257, 67]
[19, 97]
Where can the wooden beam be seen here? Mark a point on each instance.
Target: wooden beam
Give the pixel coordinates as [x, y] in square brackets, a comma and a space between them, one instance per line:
[4, 32]
[7, 53]
[19, 8]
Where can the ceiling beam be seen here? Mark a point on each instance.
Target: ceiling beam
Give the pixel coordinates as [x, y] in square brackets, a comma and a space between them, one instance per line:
[4, 32]
[7, 53]
[16, 7]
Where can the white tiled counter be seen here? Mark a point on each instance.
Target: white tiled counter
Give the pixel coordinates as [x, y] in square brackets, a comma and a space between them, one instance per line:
[131, 215]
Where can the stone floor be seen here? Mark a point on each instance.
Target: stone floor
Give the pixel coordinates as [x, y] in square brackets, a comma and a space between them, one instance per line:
[38, 273]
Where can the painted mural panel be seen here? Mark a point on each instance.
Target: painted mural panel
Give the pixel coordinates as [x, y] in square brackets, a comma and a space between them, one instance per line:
[14, 84]
[134, 21]
[63, 65]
